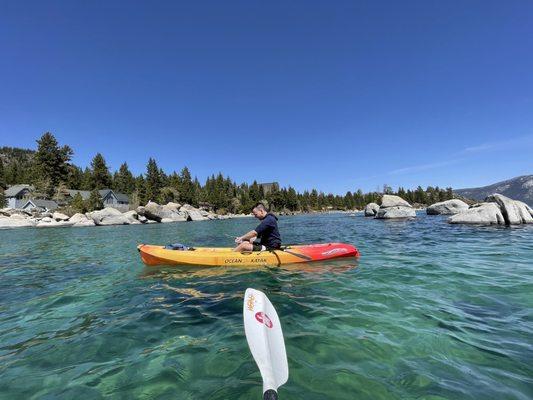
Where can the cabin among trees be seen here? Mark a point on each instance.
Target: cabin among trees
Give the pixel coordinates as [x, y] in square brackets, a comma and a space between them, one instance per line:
[109, 198]
[17, 195]
[40, 205]
[25, 197]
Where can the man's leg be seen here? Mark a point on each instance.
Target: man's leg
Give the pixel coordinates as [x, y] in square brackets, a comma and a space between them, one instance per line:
[244, 246]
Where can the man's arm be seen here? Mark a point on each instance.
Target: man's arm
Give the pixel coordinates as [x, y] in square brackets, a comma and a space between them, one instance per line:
[246, 237]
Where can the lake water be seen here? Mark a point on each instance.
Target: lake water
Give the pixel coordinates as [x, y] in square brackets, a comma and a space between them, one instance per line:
[429, 311]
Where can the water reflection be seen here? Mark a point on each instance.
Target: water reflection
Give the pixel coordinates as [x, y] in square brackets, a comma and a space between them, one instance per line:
[337, 266]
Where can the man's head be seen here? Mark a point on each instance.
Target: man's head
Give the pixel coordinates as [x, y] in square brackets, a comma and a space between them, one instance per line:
[259, 211]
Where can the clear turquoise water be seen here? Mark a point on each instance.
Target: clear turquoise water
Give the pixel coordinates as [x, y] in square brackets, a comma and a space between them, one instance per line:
[430, 311]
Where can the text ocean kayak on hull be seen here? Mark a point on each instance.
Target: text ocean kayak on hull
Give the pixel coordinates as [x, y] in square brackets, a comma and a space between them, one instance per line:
[221, 256]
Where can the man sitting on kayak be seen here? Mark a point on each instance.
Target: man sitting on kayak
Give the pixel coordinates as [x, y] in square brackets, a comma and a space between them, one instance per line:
[265, 237]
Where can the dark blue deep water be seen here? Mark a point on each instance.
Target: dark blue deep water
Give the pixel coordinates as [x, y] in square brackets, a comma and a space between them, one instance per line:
[430, 311]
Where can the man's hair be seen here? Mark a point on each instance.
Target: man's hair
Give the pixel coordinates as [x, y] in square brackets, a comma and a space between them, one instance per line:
[260, 206]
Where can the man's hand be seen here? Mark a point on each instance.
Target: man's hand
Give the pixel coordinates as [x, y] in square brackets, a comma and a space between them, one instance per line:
[238, 240]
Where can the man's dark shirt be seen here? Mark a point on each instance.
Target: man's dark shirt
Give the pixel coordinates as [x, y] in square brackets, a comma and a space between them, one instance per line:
[268, 232]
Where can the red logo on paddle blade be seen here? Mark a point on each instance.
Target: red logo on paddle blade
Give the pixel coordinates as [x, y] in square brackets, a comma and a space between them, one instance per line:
[262, 318]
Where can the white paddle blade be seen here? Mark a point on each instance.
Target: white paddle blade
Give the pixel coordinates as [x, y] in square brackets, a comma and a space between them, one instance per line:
[265, 339]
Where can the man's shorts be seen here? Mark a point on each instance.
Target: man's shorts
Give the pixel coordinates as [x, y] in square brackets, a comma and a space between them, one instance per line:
[258, 246]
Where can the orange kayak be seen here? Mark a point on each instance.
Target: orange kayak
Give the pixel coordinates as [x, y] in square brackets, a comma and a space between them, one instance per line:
[222, 256]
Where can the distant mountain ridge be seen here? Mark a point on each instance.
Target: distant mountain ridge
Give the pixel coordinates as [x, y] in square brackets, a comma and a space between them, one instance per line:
[519, 188]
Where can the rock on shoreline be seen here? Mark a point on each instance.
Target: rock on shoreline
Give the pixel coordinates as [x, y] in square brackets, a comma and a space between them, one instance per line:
[149, 214]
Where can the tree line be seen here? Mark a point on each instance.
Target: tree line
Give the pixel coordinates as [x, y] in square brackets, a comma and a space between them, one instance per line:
[50, 170]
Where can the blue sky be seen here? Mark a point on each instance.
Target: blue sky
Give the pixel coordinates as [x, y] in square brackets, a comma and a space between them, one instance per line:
[332, 95]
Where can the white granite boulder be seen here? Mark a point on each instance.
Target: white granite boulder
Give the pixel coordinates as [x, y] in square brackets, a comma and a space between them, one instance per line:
[371, 210]
[394, 207]
[514, 212]
[151, 211]
[15, 221]
[482, 214]
[81, 220]
[59, 216]
[390, 200]
[52, 223]
[173, 206]
[108, 216]
[448, 207]
[132, 217]
[8, 212]
[187, 207]
[195, 215]
[85, 222]
[181, 217]
[78, 217]
[395, 212]
[158, 212]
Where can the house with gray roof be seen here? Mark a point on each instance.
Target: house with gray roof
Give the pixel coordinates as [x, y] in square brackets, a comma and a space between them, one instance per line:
[110, 198]
[18, 195]
[40, 205]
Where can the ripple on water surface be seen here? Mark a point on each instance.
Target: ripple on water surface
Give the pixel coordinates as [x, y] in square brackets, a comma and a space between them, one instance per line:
[430, 311]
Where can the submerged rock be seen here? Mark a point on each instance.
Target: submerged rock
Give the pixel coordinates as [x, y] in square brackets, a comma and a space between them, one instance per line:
[448, 207]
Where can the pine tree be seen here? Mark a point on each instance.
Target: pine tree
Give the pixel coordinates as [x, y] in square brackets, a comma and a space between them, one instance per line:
[60, 193]
[449, 193]
[101, 177]
[94, 202]
[163, 178]
[3, 200]
[420, 195]
[291, 199]
[255, 193]
[349, 203]
[187, 192]
[74, 178]
[78, 204]
[3, 183]
[153, 181]
[196, 189]
[123, 180]
[402, 193]
[51, 161]
[86, 179]
[140, 189]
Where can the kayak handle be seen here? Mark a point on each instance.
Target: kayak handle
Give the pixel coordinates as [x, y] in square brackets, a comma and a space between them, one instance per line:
[270, 394]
